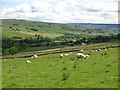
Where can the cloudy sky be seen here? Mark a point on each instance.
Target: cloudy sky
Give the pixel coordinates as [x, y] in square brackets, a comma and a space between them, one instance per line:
[61, 11]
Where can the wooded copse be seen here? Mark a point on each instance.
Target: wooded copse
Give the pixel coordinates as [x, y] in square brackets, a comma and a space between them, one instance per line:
[12, 46]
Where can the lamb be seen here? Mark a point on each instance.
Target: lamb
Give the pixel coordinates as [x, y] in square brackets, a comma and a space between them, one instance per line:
[87, 56]
[28, 61]
[70, 52]
[67, 54]
[61, 55]
[105, 49]
[80, 55]
[81, 51]
[35, 56]
[98, 49]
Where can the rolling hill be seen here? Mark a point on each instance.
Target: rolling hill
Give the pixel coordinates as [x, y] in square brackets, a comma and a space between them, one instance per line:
[17, 28]
[92, 25]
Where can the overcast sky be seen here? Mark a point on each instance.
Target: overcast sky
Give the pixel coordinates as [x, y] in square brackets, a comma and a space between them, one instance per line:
[61, 11]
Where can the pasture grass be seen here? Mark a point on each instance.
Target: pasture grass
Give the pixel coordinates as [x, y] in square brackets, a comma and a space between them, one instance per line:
[49, 29]
[51, 71]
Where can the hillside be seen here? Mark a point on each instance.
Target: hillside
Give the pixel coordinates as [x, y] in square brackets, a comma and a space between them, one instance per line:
[92, 25]
[99, 70]
[13, 28]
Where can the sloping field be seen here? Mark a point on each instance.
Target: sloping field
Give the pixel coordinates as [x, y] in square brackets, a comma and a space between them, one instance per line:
[24, 28]
[100, 70]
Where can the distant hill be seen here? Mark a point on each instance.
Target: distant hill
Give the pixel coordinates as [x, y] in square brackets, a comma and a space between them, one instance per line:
[16, 28]
[91, 25]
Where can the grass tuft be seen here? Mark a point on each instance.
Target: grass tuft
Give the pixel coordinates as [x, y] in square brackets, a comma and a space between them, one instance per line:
[65, 76]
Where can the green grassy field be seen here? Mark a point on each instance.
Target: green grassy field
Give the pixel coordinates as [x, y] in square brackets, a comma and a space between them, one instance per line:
[27, 28]
[50, 71]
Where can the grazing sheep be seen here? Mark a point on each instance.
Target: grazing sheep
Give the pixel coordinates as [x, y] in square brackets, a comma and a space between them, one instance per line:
[81, 51]
[105, 49]
[61, 55]
[98, 49]
[80, 55]
[67, 54]
[87, 56]
[28, 61]
[5, 59]
[35, 56]
[70, 53]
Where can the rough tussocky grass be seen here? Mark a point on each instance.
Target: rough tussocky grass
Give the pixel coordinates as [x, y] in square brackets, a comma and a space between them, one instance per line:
[97, 71]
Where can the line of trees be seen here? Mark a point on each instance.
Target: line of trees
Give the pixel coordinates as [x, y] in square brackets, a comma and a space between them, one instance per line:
[98, 39]
[12, 46]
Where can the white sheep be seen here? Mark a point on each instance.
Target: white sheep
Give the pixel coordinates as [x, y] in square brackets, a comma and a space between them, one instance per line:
[67, 54]
[80, 55]
[61, 55]
[87, 56]
[70, 52]
[81, 51]
[35, 56]
[28, 61]
[98, 49]
[105, 49]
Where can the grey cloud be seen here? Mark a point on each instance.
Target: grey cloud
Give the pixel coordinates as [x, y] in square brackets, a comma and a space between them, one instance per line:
[93, 10]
